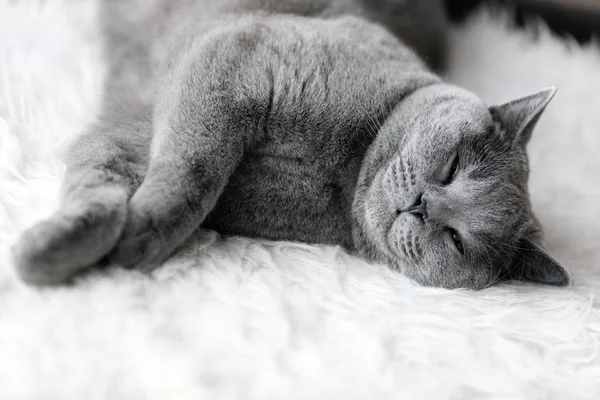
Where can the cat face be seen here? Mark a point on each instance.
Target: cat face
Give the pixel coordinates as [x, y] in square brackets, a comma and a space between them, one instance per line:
[443, 193]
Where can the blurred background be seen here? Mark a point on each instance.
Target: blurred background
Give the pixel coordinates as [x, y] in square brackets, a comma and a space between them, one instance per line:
[577, 18]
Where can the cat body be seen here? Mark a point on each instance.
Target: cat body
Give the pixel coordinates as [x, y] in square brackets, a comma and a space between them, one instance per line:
[306, 120]
[311, 160]
[307, 158]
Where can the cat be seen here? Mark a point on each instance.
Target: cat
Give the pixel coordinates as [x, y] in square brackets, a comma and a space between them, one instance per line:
[321, 121]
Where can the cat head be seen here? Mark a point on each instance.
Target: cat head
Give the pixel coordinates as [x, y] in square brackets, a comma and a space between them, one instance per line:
[443, 195]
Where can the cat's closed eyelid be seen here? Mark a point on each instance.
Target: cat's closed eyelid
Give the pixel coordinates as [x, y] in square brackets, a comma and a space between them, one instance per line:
[451, 169]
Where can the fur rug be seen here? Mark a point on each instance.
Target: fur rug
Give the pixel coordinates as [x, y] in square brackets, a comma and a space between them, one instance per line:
[247, 319]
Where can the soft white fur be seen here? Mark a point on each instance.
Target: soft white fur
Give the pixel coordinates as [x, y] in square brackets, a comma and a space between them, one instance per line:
[237, 318]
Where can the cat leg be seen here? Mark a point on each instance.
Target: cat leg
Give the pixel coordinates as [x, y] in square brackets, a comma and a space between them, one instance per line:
[201, 132]
[190, 165]
[104, 166]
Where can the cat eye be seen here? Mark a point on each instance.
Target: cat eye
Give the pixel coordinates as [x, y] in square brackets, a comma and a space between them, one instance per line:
[451, 174]
[457, 241]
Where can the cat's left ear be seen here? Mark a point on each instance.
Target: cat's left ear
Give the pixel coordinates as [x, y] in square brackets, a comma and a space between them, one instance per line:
[519, 117]
[534, 264]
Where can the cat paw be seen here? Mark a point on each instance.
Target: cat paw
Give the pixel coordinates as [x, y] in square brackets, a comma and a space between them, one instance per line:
[39, 255]
[75, 238]
[140, 250]
[160, 218]
[141, 246]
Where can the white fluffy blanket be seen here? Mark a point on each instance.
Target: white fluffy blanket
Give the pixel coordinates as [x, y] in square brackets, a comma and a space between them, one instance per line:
[249, 319]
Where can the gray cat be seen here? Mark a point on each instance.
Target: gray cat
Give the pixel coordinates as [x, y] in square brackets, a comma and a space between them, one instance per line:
[305, 120]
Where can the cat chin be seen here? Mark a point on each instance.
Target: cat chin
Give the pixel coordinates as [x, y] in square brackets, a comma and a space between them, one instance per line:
[431, 277]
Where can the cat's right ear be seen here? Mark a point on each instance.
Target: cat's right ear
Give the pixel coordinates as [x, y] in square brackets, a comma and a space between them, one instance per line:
[519, 117]
[534, 264]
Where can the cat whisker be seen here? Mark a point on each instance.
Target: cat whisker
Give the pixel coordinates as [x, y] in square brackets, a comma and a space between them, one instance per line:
[402, 172]
[502, 276]
[418, 248]
[413, 244]
[361, 143]
[494, 278]
[372, 122]
[411, 253]
[406, 171]
[506, 245]
[403, 249]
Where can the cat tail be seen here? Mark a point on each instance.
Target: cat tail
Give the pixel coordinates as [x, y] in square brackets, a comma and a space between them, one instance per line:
[104, 167]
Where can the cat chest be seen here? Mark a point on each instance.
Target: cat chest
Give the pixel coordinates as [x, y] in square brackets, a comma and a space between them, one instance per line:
[283, 197]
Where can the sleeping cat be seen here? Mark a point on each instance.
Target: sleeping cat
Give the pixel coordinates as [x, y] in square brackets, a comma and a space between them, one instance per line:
[319, 121]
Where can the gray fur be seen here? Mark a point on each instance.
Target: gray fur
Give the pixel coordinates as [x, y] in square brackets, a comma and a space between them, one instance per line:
[307, 120]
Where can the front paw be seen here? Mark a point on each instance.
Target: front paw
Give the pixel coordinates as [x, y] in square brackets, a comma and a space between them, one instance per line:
[159, 219]
[141, 245]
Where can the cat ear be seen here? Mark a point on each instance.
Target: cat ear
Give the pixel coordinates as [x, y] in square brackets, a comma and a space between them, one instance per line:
[534, 264]
[519, 117]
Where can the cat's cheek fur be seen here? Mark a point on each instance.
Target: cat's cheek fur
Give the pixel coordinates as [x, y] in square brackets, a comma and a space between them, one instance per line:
[379, 217]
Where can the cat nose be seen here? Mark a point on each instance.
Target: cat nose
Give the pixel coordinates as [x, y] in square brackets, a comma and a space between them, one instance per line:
[419, 209]
[439, 208]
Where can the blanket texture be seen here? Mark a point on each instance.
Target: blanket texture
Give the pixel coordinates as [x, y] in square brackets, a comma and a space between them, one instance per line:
[233, 318]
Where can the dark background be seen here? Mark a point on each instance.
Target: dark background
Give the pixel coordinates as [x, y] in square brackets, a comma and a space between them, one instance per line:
[578, 19]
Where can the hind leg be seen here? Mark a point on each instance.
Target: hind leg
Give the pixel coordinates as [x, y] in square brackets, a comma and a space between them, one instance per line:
[104, 167]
